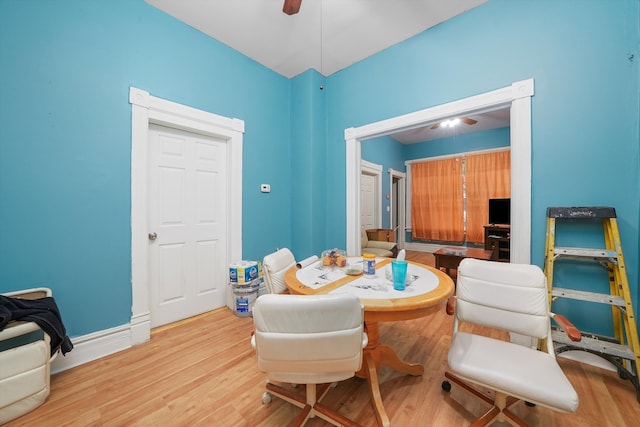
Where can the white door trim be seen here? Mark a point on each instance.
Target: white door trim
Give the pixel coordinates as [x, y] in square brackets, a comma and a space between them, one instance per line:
[518, 97]
[147, 109]
[402, 203]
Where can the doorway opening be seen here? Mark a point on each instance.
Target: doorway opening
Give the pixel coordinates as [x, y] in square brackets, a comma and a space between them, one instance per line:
[517, 98]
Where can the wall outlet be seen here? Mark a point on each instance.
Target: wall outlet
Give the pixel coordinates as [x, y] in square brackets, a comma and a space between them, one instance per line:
[265, 188]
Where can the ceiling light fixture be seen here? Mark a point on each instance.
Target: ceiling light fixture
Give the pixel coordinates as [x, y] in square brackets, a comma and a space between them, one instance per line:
[450, 123]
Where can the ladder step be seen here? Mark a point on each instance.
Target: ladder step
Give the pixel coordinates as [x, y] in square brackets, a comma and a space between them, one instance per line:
[597, 345]
[588, 296]
[582, 212]
[585, 252]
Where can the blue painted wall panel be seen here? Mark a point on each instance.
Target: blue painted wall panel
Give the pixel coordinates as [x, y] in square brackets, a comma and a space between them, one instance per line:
[66, 68]
[65, 142]
[583, 58]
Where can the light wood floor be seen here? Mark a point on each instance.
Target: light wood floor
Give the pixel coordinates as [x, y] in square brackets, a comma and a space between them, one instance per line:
[202, 372]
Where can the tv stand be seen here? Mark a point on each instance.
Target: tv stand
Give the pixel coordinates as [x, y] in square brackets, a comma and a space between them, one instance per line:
[497, 238]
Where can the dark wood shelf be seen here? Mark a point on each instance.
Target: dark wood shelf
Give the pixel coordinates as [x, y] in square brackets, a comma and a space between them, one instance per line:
[497, 238]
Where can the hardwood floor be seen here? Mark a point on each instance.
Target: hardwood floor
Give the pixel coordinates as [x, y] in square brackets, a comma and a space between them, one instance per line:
[202, 372]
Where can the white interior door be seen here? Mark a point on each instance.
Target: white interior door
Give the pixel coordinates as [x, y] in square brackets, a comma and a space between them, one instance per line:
[187, 224]
[368, 201]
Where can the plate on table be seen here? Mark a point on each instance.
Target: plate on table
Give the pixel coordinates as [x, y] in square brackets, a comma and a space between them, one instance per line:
[353, 270]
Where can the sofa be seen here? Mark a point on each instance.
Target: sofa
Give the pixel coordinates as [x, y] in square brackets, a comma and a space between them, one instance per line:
[378, 248]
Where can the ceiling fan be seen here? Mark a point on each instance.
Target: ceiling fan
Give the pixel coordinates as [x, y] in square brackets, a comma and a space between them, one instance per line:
[291, 7]
[453, 122]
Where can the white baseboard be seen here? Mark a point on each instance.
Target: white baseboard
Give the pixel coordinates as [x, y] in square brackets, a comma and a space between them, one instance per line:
[94, 346]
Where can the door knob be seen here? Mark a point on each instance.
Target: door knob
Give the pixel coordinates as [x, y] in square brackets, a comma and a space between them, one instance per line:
[153, 236]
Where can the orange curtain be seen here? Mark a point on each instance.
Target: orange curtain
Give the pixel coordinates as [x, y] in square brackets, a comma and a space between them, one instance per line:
[437, 210]
[488, 176]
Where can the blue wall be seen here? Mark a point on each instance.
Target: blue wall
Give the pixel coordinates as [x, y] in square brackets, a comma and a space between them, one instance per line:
[308, 157]
[65, 142]
[65, 133]
[583, 58]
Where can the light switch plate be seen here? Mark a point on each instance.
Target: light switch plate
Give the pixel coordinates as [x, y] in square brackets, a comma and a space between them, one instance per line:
[265, 188]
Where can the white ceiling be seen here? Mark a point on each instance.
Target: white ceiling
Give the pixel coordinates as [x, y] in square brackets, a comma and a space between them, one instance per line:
[326, 35]
[485, 121]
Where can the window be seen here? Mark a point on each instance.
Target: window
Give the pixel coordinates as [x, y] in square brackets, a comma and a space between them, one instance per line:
[449, 196]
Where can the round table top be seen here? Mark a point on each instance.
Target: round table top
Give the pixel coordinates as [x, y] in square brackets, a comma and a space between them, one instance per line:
[428, 293]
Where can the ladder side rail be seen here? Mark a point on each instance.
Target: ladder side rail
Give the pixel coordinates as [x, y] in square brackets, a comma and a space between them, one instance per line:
[549, 257]
[622, 285]
[618, 316]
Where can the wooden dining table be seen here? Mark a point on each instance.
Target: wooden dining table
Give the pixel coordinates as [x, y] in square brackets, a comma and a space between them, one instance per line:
[428, 292]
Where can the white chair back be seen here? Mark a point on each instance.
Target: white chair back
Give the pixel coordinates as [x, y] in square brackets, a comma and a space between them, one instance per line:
[510, 297]
[309, 339]
[274, 267]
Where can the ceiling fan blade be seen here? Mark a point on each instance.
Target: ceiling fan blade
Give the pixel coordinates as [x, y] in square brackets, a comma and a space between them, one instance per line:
[291, 7]
[469, 121]
[435, 126]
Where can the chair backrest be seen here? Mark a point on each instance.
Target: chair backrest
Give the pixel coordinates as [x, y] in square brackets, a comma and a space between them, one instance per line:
[308, 338]
[364, 239]
[274, 267]
[511, 297]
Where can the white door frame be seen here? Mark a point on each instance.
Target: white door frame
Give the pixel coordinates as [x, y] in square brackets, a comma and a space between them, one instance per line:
[147, 109]
[402, 203]
[517, 97]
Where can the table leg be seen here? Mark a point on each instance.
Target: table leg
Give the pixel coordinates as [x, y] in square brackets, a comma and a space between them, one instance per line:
[376, 354]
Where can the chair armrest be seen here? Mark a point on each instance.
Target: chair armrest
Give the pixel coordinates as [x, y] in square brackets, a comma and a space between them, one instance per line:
[451, 305]
[569, 329]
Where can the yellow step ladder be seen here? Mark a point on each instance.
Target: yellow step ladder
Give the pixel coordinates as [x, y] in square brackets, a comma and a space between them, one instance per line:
[622, 350]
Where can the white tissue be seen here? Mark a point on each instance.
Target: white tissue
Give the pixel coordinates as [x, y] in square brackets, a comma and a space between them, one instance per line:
[401, 255]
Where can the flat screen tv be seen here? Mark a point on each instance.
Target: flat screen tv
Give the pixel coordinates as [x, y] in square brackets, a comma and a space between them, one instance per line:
[500, 211]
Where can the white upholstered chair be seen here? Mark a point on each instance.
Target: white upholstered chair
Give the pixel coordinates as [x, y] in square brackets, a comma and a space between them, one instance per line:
[513, 298]
[274, 267]
[25, 365]
[311, 340]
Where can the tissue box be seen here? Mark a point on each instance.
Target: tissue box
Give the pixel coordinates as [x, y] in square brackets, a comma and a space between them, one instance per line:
[243, 271]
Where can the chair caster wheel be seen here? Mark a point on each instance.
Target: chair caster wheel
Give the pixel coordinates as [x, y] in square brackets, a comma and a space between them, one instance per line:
[529, 404]
[266, 398]
[446, 386]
